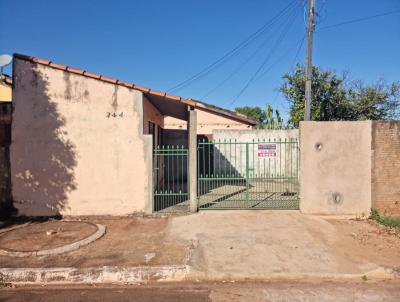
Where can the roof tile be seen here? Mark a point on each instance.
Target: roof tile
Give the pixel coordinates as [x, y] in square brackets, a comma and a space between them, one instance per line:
[157, 92]
[126, 84]
[173, 97]
[141, 88]
[109, 80]
[41, 61]
[91, 75]
[75, 70]
[189, 102]
[58, 66]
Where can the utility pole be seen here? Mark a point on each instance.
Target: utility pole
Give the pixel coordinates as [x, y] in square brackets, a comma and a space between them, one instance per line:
[310, 32]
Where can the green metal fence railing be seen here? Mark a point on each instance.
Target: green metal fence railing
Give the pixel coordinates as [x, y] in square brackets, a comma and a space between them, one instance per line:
[170, 168]
[260, 174]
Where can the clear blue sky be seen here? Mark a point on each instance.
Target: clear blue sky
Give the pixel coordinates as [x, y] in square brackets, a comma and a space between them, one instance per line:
[161, 43]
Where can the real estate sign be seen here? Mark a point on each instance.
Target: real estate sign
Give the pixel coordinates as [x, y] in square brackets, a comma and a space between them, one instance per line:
[267, 150]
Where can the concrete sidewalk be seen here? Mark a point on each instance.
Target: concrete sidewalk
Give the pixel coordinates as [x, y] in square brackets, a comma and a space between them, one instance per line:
[220, 245]
[128, 242]
[258, 244]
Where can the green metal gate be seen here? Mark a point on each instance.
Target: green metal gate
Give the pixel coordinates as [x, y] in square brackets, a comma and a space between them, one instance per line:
[248, 175]
[170, 168]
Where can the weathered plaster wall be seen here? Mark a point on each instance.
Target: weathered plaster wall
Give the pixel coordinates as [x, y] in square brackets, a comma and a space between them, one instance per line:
[206, 123]
[77, 145]
[233, 160]
[386, 167]
[255, 134]
[335, 167]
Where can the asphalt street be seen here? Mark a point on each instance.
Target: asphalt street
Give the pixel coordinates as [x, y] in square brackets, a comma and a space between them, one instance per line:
[223, 291]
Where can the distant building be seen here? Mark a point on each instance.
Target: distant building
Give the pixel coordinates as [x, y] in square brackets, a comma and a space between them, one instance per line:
[5, 88]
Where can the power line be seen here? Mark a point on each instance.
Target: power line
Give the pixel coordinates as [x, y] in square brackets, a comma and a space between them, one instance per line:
[239, 68]
[235, 50]
[279, 40]
[360, 19]
[299, 43]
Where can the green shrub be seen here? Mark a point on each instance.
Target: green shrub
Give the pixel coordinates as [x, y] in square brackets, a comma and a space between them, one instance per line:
[385, 220]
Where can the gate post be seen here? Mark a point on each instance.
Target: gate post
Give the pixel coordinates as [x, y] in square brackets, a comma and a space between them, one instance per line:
[192, 129]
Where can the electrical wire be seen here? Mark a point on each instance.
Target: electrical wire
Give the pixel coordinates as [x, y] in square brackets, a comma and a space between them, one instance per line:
[252, 78]
[359, 20]
[235, 50]
[239, 68]
[299, 43]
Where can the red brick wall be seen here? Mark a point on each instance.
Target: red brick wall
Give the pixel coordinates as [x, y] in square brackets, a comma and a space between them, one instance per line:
[386, 167]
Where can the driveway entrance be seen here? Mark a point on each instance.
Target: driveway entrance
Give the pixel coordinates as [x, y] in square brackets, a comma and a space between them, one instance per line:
[248, 175]
[262, 244]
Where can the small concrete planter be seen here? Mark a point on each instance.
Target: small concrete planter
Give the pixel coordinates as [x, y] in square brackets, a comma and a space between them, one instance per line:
[101, 229]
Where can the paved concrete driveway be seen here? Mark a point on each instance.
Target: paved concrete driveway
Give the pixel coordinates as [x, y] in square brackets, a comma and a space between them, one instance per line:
[268, 243]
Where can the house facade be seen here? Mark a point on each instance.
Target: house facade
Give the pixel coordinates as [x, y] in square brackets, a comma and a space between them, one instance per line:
[82, 143]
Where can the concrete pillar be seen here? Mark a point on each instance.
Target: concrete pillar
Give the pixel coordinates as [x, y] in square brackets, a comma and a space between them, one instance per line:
[192, 129]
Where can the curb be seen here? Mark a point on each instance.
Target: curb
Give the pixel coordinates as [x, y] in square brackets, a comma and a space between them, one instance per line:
[377, 274]
[101, 229]
[104, 274]
[172, 273]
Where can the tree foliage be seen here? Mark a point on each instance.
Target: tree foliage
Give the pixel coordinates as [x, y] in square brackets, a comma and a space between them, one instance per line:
[253, 112]
[267, 118]
[336, 98]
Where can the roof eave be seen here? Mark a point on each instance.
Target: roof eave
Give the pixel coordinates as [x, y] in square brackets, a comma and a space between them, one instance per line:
[187, 101]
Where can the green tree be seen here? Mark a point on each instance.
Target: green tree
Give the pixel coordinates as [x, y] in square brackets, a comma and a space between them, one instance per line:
[253, 112]
[335, 98]
[272, 121]
[267, 118]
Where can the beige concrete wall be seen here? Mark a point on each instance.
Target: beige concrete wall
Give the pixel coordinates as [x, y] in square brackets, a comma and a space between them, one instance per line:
[335, 168]
[232, 158]
[386, 167]
[206, 123]
[77, 145]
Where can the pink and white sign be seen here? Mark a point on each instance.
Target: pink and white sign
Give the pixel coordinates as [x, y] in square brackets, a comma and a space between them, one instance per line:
[267, 150]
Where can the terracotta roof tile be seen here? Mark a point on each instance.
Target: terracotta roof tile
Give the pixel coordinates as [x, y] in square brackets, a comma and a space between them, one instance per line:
[58, 66]
[157, 92]
[141, 88]
[173, 97]
[189, 102]
[75, 70]
[91, 75]
[126, 84]
[109, 80]
[40, 61]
